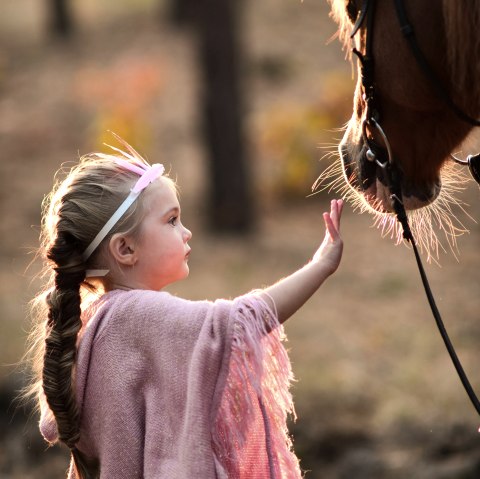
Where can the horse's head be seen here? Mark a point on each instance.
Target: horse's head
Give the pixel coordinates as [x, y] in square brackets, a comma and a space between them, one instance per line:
[421, 129]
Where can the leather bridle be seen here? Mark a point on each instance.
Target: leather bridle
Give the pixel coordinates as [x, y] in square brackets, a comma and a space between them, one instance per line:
[367, 13]
[383, 155]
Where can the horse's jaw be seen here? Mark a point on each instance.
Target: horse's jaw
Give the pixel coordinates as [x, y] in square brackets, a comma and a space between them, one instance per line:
[367, 179]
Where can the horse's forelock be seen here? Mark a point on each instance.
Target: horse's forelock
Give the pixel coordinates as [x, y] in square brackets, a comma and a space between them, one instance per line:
[462, 30]
[339, 15]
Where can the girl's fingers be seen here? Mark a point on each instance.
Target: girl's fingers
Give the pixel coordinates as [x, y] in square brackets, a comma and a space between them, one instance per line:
[334, 211]
[332, 219]
[330, 226]
[336, 207]
[340, 209]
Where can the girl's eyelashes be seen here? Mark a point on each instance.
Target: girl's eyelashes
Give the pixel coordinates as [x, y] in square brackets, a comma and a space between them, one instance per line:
[173, 220]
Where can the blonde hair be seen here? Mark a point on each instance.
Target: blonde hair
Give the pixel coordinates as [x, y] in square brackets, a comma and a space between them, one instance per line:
[72, 215]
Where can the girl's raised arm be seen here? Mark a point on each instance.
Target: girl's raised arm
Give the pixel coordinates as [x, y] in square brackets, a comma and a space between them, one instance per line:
[290, 293]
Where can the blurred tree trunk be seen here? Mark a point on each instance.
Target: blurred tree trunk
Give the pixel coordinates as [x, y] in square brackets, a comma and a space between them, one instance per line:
[61, 22]
[230, 199]
[220, 58]
[182, 12]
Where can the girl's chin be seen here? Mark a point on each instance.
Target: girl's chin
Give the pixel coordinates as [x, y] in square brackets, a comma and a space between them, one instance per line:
[185, 272]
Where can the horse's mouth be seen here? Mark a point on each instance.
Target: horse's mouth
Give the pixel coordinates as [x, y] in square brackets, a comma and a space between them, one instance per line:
[368, 179]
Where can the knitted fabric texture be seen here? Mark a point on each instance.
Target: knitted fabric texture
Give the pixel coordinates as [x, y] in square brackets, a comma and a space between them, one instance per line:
[171, 388]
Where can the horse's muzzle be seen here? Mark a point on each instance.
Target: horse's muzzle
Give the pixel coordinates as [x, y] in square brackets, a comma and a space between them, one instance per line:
[368, 179]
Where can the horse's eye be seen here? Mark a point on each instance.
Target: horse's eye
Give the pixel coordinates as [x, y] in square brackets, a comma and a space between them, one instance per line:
[352, 10]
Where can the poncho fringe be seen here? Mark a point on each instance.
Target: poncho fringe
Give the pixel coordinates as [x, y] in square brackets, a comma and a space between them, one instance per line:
[258, 382]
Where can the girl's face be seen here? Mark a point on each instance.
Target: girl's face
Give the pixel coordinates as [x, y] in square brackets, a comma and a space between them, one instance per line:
[162, 246]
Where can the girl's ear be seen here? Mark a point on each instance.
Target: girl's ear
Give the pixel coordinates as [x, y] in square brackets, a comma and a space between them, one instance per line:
[122, 249]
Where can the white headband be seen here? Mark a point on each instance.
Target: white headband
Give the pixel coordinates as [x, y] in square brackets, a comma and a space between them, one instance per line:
[147, 175]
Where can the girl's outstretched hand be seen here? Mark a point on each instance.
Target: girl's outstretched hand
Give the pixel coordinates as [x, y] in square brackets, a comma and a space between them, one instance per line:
[330, 251]
[291, 292]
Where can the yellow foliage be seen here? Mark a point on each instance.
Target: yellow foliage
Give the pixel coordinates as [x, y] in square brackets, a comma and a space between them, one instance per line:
[120, 95]
[290, 134]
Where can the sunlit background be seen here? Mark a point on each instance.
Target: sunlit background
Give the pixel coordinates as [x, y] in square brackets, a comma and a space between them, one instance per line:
[376, 394]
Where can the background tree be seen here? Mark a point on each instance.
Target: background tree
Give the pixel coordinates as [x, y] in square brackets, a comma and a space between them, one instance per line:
[220, 58]
[182, 12]
[61, 21]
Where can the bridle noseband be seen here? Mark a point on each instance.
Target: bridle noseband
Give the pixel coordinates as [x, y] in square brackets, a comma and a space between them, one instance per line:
[384, 157]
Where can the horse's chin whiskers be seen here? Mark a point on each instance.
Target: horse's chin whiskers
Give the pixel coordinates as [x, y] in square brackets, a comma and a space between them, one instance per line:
[435, 227]
[440, 216]
[330, 178]
[332, 148]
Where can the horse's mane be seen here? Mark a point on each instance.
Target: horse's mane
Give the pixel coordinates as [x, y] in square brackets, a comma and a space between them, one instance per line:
[339, 14]
[462, 27]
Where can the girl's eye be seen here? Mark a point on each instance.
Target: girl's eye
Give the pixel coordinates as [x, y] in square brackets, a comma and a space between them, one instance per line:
[173, 220]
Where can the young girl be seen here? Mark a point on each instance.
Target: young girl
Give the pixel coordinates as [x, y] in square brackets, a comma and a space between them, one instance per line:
[139, 383]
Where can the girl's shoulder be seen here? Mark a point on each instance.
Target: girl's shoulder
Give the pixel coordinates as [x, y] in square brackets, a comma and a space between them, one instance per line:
[144, 302]
[134, 308]
[150, 321]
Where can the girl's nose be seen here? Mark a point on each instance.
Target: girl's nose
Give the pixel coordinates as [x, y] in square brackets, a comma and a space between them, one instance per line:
[187, 234]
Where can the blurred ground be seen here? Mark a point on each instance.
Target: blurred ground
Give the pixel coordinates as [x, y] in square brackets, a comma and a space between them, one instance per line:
[376, 394]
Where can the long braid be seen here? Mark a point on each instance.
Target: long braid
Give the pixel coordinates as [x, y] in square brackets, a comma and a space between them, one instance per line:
[64, 323]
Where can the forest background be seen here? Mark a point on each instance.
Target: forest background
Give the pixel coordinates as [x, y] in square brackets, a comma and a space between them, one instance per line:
[376, 395]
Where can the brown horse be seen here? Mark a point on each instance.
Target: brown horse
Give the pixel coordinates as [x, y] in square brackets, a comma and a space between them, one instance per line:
[422, 130]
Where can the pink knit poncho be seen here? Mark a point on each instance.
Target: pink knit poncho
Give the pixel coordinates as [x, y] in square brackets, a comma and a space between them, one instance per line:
[177, 389]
